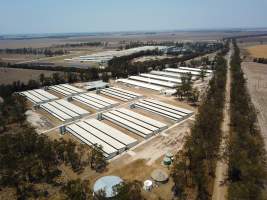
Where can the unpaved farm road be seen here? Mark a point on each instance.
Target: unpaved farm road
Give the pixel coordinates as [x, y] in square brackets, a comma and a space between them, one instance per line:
[220, 189]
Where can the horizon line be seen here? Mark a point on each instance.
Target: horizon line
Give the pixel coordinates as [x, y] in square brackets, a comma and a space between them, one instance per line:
[141, 31]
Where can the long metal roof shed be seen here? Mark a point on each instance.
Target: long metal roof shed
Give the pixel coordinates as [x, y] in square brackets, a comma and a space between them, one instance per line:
[153, 81]
[162, 78]
[139, 130]
[38, 96]
[145, 119]
[77, 130]
[112, 132]
[181, 71]
[196, 69]
[142, 84]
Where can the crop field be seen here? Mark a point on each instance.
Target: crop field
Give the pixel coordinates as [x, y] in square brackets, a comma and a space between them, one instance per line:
[256, 75]
[258, 51]
[9, 75]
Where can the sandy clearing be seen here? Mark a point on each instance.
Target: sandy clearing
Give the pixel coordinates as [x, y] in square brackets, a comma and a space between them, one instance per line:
[38, 121]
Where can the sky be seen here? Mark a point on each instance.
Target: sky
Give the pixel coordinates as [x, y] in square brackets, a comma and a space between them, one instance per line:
[69, 16]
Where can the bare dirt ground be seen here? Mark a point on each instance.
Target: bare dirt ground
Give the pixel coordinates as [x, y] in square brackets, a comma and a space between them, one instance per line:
[256, 75]
[9, 75]
[38, 121]
[220, 189]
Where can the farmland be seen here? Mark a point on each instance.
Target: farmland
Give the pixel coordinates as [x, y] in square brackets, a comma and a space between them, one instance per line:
[138, 120]
[256, 75]
[258, 51]
[9, 75]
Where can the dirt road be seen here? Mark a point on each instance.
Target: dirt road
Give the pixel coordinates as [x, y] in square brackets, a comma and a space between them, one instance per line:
[220, 189]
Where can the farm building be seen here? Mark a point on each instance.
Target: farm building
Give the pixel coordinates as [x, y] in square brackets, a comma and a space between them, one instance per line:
[95, 101]
[66, 89]
[92, 131]
[64, 110]
[118, 93]
[136, 123]
[164, 109]
[38, 96]
[93, 85]
[142, 84]
[154, 81]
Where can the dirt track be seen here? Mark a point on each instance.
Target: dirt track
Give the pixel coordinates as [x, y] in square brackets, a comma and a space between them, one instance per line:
[220, 189]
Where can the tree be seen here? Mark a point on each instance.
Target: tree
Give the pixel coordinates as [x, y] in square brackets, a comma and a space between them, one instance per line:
[202, 74]
[56, 78]
[194, 95]
[42, 78]
[19, 108]
[97, 159]
[3, 119]
[185, 89]
[179, 174]
[78, 190]
[129, 191]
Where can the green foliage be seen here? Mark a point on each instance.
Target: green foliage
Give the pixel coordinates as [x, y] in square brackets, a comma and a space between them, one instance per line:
[195, 167]
[96, 158]
[247, 163]
[78, 190]
[26, 157]
[185, 89]
[35, 51]
[129, 191]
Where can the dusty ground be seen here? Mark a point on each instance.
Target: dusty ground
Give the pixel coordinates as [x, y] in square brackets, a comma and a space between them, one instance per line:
[256, 75]
[220, 189]
[258, 51]
[9, 75]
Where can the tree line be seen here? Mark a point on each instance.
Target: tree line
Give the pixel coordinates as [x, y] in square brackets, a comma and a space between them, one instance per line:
[247, 157]
[35, 51]
[260, 60]
[81, 44]
[194, 168]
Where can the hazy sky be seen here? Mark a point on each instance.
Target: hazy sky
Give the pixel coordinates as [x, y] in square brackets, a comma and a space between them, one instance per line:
[54, 16]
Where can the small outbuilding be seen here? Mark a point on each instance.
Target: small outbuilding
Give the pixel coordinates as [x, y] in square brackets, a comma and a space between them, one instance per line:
[106, 184]
[159, 176]
[148, 184]
[169, 155]
[167, 161]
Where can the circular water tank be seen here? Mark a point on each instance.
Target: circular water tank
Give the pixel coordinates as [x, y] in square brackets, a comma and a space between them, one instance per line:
[167, 161]
[107, 184]
[159, 175]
